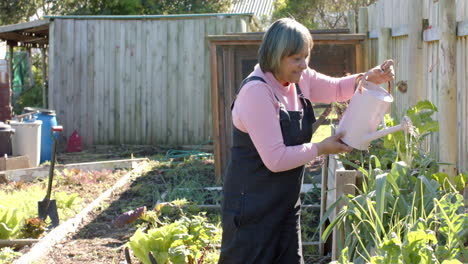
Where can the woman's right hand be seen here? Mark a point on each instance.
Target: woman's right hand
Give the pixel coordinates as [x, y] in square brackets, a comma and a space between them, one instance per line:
[333, 145]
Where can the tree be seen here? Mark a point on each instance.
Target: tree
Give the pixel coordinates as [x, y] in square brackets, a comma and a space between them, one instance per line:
[15, 11]
[316, 14]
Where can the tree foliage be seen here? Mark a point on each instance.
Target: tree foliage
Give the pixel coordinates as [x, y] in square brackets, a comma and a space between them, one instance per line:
[15, 11]
[316, 14]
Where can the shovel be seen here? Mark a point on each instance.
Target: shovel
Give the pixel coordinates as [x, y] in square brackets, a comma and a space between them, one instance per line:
[48, 207]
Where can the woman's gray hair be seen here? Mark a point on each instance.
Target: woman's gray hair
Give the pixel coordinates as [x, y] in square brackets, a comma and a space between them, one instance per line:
[285, 37]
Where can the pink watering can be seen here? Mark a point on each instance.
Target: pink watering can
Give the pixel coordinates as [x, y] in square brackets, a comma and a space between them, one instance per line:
[365, 112]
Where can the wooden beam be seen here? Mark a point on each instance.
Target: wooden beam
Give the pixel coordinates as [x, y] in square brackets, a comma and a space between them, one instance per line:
[25, 26]
[363, 27]
[448, 150]
[384, 44]
[401, 30]
[415, 46]
[44, 78]
[462, 28]
[351, 22]
[11, 72]
[215, 109]
[431, 34]
[374, 34]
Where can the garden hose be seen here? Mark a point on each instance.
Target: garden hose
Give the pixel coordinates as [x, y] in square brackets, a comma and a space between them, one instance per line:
[196, 152]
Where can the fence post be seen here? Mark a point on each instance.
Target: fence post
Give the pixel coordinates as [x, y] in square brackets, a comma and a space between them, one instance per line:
[384, 44]
[415, 51]
[448, 150]
[363, 28]
[351, 22]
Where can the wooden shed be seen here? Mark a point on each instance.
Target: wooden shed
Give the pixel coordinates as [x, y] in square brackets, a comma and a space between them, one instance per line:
[130, 79]
[233, 56]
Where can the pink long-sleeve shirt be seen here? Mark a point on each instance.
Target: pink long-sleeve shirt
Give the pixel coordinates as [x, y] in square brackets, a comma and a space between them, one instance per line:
[256, 112]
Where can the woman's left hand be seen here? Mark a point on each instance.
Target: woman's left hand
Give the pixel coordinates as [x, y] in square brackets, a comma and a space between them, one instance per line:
[382, 73]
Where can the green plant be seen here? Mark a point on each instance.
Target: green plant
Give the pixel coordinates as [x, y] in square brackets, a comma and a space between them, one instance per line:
[183, 241]
[22, 204]
[10, 222]
[406, 215]
[7, 255]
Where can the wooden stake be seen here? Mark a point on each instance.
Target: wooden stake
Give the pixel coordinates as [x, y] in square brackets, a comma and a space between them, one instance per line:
[415, 52]
[384, 44]
[363, 28]
[448, 145]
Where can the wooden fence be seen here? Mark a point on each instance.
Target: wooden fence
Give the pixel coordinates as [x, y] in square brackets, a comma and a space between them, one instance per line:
[135, 80]
[428, 41]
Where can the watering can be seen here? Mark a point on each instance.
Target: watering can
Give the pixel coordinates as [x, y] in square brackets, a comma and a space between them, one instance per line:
[364, 114]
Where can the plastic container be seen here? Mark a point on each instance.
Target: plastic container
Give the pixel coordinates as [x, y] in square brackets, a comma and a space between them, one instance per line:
[49, 120]
[6, 133]
[27, 140]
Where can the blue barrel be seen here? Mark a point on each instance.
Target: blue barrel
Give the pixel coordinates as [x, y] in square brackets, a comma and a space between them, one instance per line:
[49, 120]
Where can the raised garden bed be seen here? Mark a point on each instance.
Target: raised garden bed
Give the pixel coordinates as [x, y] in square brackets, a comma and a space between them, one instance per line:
[75, 191]
[97, 240]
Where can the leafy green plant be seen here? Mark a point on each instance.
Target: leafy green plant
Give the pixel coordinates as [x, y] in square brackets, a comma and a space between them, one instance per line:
[21, 204]
[7, 255]
[183, 241]
[405, 215]
[10, 222]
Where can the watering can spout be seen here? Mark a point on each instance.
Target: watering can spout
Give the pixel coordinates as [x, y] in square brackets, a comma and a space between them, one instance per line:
[405, 125]
[381, 133]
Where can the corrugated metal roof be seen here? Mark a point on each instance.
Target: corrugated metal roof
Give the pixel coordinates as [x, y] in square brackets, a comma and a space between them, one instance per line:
[259, 7]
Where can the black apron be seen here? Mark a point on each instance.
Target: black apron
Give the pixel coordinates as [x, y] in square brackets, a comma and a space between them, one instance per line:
[261, 209]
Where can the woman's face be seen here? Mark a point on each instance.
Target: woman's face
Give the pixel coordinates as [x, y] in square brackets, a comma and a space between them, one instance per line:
[291, 67]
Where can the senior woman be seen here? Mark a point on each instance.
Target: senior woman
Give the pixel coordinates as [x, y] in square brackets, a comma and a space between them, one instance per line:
[272, 129]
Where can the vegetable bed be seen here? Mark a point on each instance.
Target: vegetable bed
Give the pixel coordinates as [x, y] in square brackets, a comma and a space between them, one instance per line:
[98, 240]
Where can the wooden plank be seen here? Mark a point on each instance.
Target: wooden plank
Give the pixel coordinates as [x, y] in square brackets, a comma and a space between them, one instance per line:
[149, 71]
[214, 104]
[188, 80]
[25, 25]
[462, 28]
[400, 31]
[100, 66]
[163, 82]
[363, 27]
[112, 30]
[431, 34]
[122, 83]
[464, 134]
[448, 87]
[89, 137]
[344, 185]
[139, 126]
[200, 77]
[104, 77]
[53, 60]
[117, 89]
[81, 47]
[384, 44]
[173, 60]
[374, 34]
[460, 101]
[414, 49]
[69, 87]
[132, 71]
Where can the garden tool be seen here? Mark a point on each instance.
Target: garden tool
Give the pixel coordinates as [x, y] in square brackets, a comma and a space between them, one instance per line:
[364, 114]
[48, 207]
